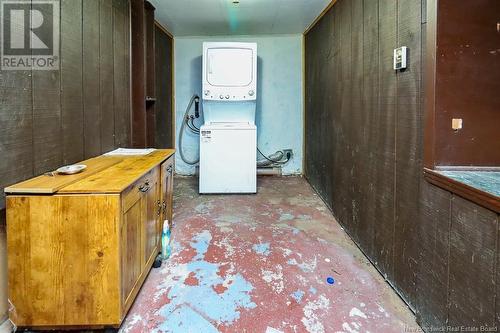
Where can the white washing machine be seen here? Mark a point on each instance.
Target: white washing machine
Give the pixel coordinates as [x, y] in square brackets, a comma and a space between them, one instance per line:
[227, 158]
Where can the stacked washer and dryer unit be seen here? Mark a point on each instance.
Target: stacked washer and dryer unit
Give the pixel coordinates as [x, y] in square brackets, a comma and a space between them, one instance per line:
[228, 137]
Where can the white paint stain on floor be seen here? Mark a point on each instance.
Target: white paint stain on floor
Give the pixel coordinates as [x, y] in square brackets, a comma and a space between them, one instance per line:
[272, 330]
[306, 266]
[355, 312]
[310, 319]
[347, 328]
[275, 279]
[225, 244]
[382, 310]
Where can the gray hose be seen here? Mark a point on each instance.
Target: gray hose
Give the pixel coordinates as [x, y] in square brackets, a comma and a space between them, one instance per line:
[271, 159]
[181, 152]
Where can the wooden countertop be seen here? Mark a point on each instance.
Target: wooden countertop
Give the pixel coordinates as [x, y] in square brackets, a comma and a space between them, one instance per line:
[104, 174]
[469, 191]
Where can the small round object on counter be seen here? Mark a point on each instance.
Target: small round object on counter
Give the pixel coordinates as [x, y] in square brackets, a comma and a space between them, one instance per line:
[71, 169]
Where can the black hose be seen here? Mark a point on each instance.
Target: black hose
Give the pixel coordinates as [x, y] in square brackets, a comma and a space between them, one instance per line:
[192, 124]
[197, 107]
[194, 130]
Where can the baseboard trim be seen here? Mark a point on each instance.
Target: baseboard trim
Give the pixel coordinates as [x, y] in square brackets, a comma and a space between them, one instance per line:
[7, 326]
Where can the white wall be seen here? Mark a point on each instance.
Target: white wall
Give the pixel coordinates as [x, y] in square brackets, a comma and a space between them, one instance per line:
[279, 116]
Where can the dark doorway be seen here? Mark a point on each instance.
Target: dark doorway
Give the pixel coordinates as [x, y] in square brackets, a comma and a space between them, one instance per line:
[164, 134]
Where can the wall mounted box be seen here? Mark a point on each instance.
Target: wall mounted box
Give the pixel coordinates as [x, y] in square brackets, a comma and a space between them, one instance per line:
[400, 57]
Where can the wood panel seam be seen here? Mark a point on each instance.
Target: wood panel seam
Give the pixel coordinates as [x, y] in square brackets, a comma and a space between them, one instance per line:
[396, 113]
[448, 291]
[83, 84]
[495, 269]
[32, 117]
[61, 136]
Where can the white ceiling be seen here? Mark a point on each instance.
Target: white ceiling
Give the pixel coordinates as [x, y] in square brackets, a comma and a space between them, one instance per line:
[249, 17]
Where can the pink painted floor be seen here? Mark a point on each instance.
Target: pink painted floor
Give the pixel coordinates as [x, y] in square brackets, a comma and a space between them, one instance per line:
[260, 263]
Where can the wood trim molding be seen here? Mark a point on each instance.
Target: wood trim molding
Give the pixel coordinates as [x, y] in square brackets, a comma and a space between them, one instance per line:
[149, 6]
[304, 150]
[465, 191]
[174, 112]
[316, 20]
[430, 85]
[162, 28]
[466, 168]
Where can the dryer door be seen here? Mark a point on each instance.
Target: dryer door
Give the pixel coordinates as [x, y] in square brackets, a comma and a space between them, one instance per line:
[230, 67]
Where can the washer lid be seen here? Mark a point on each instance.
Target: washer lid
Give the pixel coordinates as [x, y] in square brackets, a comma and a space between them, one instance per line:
[229, 126]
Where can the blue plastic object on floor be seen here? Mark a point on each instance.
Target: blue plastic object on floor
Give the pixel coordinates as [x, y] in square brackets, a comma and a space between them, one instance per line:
[330, 280]
[165, 241]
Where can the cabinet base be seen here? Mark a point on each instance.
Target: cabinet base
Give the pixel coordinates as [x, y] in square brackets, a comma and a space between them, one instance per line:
[157, 262]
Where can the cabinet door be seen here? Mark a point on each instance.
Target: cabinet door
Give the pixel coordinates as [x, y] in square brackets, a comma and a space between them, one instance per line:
[131, 246]
[167, 190]
[151, 220]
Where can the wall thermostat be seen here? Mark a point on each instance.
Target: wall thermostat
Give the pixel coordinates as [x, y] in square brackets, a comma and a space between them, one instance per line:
[400, 56]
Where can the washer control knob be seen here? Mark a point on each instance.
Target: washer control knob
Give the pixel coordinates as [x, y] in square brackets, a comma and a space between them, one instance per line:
[207, 92]
[251, 93]
[227, 96]
[221, 97]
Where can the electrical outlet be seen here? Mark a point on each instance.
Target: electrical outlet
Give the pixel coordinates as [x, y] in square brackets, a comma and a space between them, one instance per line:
[288, 151]
[456, 124]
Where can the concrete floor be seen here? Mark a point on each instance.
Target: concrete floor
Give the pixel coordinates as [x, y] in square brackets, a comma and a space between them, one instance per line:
[260, 263]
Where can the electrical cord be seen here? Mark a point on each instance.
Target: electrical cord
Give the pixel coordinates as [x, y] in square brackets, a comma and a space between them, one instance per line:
[267, 158]
[194, 126]
[275, 161]
[195, 130]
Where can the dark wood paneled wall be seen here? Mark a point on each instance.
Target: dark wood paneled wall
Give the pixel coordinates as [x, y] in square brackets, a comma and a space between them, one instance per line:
[150, 74]
[143, 74]
[139, 130]
[164, 89]
[364, 147]
[467, 83]
[51, 118]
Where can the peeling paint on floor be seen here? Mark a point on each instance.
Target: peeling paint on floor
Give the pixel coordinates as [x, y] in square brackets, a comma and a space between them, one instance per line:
[259, 263]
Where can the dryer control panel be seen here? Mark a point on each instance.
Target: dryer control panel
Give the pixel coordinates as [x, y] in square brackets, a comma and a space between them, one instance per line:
[229, 71]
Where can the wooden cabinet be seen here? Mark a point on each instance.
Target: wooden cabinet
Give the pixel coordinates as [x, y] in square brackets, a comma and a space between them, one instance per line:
[130, 246]
[152, 219]
[141, 204]
[80, 247]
